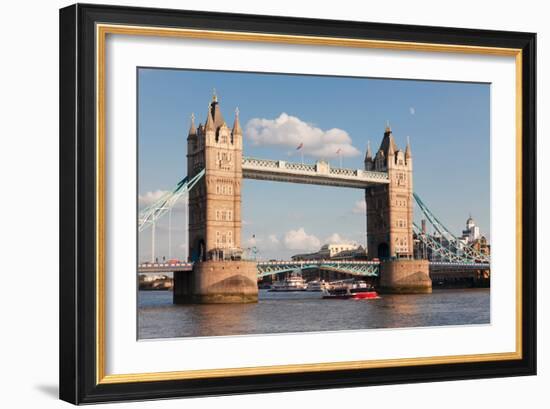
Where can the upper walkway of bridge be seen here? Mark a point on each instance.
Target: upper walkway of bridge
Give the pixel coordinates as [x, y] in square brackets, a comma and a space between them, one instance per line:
[320, 173]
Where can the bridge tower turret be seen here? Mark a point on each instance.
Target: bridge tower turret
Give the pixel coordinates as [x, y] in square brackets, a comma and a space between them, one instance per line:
[369, 161]
[219, 274]
[390, 207]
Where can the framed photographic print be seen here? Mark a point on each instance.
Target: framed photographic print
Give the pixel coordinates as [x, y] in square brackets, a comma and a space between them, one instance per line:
[257, 203]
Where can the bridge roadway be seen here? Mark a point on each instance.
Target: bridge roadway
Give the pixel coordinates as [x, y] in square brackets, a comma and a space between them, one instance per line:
[357, 268]
[320, 173]
[164, 267]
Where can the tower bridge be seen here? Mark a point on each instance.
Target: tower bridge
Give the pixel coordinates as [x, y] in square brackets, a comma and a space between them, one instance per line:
[215, 169]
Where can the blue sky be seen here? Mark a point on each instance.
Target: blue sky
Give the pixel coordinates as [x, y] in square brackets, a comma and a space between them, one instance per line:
[448, 125]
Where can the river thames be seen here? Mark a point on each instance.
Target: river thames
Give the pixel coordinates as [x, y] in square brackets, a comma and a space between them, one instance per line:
[289, 312]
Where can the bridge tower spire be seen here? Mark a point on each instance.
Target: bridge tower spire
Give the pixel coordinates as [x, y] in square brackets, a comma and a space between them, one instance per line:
[369, 163]
[237, 132]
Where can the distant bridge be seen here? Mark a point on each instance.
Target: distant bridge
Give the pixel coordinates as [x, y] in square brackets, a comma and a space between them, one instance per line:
[354, 268]
[268, 268]
[470, 266]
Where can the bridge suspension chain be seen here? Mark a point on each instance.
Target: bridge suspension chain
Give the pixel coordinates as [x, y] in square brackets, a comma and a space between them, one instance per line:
[437, 248]
[467, 251]
[150, 214]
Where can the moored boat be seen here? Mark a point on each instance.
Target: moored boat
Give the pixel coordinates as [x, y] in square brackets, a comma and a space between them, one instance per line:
[294, 282]
[316, 285]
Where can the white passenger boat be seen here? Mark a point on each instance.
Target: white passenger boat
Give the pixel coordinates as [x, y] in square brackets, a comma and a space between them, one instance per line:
[316, 285]
[294, 282]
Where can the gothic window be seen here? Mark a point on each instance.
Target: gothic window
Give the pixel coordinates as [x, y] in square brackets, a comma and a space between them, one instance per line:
[401, 223]
[224, 189]
[224, 160]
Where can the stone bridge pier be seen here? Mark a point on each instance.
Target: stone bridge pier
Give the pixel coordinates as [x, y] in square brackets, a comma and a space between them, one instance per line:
[217, 282]
[405, 277]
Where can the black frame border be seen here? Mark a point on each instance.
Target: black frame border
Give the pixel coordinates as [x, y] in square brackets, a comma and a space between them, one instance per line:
[78, 197]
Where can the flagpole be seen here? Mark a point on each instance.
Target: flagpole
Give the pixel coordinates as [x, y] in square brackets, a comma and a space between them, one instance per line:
[301, 149]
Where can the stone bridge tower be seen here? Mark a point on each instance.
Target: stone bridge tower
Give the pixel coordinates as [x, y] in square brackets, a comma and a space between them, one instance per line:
[390, 207]
[215, 202]
[390, 219]
[219, 274]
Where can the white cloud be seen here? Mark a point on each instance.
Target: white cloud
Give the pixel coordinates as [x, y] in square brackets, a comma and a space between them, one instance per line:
[273, 239]
[251, 242]
[412, 111]
[270, 243]
[360, 207]
[289, 131]
[149, 198]
[300, 240]
[292, 242]
[335, 238]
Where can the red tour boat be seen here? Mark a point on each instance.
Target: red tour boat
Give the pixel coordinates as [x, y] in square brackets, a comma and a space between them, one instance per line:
[350, 289]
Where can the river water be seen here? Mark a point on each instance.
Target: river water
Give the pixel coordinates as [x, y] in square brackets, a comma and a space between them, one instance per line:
[307, 312]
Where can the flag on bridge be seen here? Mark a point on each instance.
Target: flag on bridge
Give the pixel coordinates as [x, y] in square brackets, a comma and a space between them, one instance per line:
[338, 151]
[300, 146]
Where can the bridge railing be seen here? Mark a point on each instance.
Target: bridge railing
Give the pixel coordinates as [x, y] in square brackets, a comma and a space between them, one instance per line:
[318, 169]
[343, 171]
[321, 261]
[163, 265]
[261, 163]
[304, 167]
